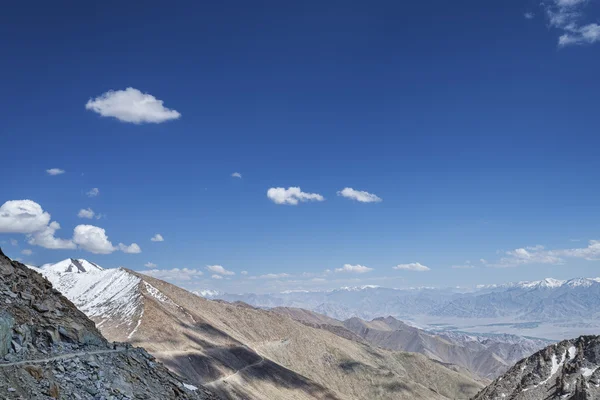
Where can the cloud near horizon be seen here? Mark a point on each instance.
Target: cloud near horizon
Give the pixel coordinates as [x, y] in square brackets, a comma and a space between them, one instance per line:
[417, 267]
[540, 255]
[356, 269]
[131, 105]
[219, 269]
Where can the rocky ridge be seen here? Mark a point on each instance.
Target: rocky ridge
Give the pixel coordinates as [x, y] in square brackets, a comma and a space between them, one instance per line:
[50, 349]
[568, 370]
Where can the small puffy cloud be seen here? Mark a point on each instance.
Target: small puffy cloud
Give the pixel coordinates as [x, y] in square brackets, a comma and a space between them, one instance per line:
[175, 274]
[131, 249]
[150, 265]
[244, 272]
[157, 238]
[236, 175]
[26, 252]
[355, 269]
[418, 267]
[218, 269]
[215, 276]
[131, 105]
[86, 213]
[358, 195]
[14, 242]
[22, 216]
[292, 196]
[55, 171]
[93, 192]
[94, 240]
[529, 15]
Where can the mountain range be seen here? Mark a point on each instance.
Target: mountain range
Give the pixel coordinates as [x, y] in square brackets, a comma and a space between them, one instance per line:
[238, 351]
[483, 356]
[548, 308]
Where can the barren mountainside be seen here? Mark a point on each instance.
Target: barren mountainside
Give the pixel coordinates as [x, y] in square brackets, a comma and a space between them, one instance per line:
[50, 349]
[483, 357]
[239, 351]
[568, 370]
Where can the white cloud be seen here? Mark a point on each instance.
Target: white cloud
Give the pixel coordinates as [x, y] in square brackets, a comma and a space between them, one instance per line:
[292, 196]
[218, 269]
[94, 240]
[86, 213]
[274, 276]
[55, 171]
[464, 266]
[357, 269]
[150, 265]
[358, 195]
[26, 252]
[22, 216]
[28, 217]
[244, 272]
[529, 15]
[131, 249]
[418, 267]
[540, 255]
[215, 276]
[175, 274]
[568, 16]
[45, 238]
[591, 252]
[93, 192]
[157, 238]
[14, 242]
[131, 105]
[236, 175]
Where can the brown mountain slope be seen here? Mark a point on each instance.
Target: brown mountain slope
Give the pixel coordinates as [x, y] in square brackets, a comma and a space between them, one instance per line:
[50, 349]
[242, 352]
[473, 357]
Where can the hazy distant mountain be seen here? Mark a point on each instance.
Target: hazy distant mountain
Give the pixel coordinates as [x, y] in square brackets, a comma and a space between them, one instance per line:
[546, 300]
[568, 370]
[242, 352]
[483, 356]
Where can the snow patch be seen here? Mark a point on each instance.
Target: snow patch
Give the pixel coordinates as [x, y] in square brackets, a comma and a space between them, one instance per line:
[157, 294]
[588, 371]
[572, 352]
[190, 387]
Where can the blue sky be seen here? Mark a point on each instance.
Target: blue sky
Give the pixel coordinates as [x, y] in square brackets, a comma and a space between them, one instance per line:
[475, 123]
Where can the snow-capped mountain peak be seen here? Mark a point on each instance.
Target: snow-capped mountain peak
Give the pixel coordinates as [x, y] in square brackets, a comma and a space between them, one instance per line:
[72, 265]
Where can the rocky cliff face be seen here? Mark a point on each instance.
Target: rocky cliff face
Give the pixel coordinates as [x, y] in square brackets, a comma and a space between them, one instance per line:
[49, 349]
[568, 370]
